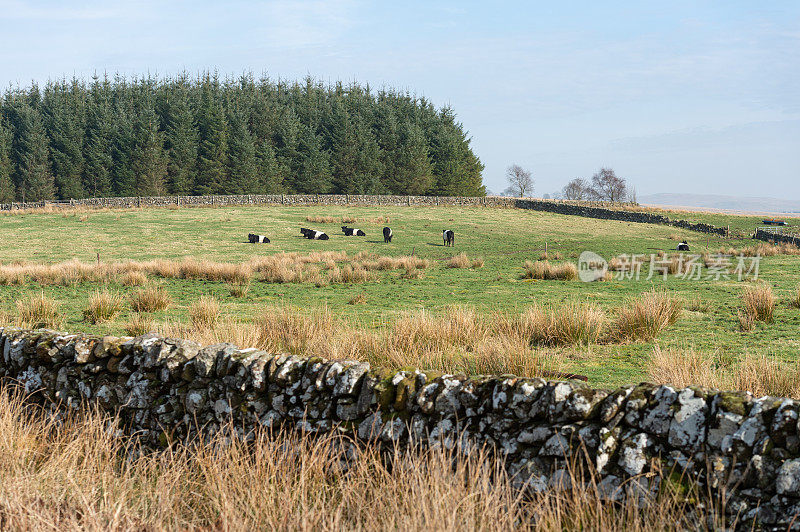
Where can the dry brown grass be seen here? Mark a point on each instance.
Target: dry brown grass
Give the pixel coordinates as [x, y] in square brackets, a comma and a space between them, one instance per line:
[204, 313]
[358, 299]
[239, 288]
[278, 268]
[77, 474]
[645, 317]
[759, 303]
[795, 300]
[762, 375]
[347, 220]
[103, 306]
[133, 279]
[567, 324]
[462, 261]
[764, 249]
[139, 324]
[545, 270]
[150, 299]
[38, 311]
[747, 321]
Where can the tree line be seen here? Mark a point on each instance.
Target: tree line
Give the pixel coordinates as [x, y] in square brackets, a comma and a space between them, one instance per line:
[192, 136]
[605, 185]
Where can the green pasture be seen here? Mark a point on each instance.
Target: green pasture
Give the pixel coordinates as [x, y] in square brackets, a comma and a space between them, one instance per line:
[503, 238]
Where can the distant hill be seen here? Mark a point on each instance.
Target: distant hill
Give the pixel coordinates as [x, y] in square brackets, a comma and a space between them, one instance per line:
[730, 203]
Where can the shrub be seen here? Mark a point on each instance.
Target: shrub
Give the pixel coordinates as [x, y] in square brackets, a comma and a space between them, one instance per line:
[645, 317]
[103, 306]
[204, 312]
[150, 299]
[38, 311]
[759, 303]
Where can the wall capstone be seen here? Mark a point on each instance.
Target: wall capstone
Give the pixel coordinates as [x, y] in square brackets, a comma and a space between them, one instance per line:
[164, 389]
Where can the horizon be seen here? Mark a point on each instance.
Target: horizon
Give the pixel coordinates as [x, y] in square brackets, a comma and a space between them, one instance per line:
[685, 99]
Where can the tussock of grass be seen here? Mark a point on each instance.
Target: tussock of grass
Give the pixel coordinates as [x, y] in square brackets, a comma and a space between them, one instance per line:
[204, 312]
[462, 261]
[38, 311]
[747, 321]
[645, 317]
[150, 299]
[760, 374]
[239, 288]
[359, 299]
[759, 303]
[103, 306]
[139, 324]
[568, 324]
[795, 301]
[545, 270]
[133, 278]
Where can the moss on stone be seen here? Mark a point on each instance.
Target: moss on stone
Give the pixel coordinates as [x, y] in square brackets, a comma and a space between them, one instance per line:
[734, 402]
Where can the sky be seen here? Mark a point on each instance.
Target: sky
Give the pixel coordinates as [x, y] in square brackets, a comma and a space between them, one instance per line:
[679, 96]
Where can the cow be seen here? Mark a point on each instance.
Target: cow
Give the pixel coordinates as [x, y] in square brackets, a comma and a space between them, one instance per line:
[448, 237]
[387, 235]
[313, 234]
[350, 231]
[683, 246]
[257, 239]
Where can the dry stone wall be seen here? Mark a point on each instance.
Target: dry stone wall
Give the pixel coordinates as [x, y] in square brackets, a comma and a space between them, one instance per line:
[769, 236]
[164, 389]
[599, 210]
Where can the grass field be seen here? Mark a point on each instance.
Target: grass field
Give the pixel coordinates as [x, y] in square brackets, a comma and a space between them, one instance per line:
[497, 242]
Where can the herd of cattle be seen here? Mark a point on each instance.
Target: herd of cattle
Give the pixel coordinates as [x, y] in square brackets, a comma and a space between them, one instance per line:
[448, 237]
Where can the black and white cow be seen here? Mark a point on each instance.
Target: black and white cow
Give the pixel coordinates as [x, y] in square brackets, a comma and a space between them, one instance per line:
[387, 235]
[313, 234]
[257, 239]
[683, 246]
[448, 237]
[350, 231]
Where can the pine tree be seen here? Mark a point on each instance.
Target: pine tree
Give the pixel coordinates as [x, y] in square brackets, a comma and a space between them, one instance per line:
[34, 177]
[242, 163]
[213, 146]
[312, 170]
[356, 159]
[6, 185]
[99, 133]
[123, 175]
[181, 142]
[148, 160]
[272, 173]
[411, 172]
[64, 110]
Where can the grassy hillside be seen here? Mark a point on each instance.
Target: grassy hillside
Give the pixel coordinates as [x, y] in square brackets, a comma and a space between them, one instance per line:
[497, 242]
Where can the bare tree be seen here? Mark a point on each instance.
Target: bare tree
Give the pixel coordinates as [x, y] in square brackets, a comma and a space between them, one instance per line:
[577, 189]
[608, 186]
[520, 181]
